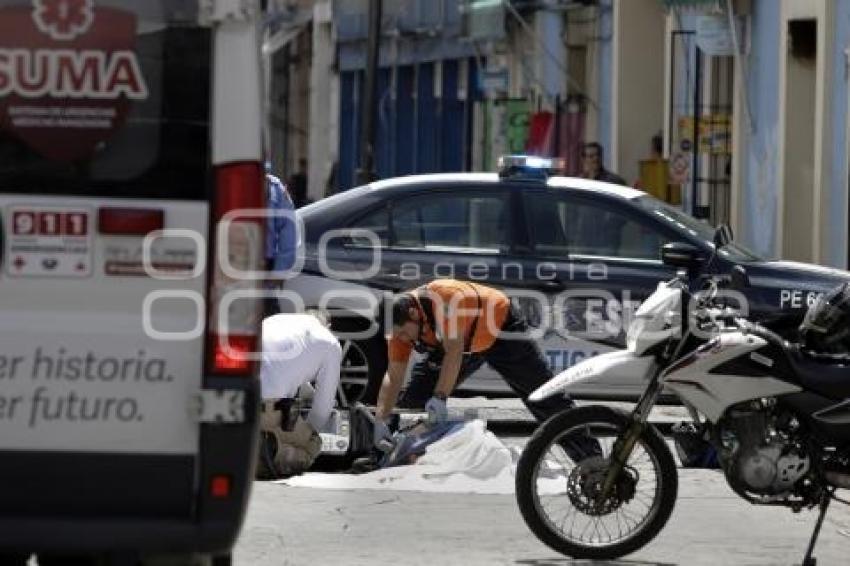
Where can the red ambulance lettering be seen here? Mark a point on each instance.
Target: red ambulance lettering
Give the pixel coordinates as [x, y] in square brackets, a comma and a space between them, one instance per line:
[64, 73]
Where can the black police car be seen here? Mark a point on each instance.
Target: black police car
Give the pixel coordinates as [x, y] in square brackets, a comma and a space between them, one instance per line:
[578, 255]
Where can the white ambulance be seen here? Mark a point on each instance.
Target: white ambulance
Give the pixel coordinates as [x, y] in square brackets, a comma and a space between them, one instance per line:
[128, 131]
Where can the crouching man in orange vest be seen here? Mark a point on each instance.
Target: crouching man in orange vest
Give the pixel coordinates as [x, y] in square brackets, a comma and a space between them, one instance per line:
[459, 325]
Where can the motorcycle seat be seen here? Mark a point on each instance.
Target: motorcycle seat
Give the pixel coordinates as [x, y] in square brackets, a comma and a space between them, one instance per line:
[826, 375]
[823, 374]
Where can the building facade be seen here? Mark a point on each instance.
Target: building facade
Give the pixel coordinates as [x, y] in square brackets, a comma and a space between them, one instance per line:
[783, 91]
[739, 107]
[463, 81]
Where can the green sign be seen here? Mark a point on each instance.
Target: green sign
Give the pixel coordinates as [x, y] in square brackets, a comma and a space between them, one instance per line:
[506, 128]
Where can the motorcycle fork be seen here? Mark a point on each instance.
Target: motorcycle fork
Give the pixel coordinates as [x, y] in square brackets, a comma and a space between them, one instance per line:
[625, 443]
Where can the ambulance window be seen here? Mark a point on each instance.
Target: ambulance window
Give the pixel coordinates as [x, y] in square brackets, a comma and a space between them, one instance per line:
[116, 102]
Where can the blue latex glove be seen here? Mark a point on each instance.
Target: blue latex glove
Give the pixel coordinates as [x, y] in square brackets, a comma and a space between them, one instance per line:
[382, 438]
[438, 413]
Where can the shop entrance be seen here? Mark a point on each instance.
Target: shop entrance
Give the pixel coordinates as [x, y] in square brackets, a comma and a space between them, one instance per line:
[700, 133]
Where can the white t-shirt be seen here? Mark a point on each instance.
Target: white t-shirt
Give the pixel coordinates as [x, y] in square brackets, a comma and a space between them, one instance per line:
[298, 349]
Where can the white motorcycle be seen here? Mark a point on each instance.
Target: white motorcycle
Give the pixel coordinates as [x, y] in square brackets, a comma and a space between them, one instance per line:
[776, 416]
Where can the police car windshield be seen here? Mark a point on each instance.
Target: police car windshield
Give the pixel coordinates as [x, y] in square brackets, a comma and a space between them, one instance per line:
[680, 222]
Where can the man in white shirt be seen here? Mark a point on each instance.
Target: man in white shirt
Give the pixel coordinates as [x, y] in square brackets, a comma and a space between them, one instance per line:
[297, 349]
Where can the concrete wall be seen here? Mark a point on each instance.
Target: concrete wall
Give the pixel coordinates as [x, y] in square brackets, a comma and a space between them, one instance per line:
[638, 85]
[551, 51]
[798, 147]
[600, 122]
[324, 105]
[802, 180]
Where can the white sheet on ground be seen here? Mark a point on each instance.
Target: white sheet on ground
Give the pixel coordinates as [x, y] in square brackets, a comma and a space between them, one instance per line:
[470, 460]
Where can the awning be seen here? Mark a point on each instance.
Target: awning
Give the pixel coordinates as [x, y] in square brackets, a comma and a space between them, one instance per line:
[700, 4]
[281, 37]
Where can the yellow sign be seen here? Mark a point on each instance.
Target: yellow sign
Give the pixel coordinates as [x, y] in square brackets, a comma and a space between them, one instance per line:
[715, 133]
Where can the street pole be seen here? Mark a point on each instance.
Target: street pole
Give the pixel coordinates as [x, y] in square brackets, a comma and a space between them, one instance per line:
[369, 96]
[557, 126]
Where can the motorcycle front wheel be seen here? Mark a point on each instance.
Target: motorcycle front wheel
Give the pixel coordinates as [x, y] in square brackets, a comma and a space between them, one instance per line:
[559, 480]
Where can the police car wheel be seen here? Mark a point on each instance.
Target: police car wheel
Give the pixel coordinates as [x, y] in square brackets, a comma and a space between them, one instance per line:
[364, 363]
[354, 373]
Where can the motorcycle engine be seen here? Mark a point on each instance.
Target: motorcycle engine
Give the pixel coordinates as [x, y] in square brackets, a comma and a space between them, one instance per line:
[759, 450]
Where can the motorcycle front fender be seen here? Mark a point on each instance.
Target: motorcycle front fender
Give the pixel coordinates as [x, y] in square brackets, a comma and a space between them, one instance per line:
[598, 369]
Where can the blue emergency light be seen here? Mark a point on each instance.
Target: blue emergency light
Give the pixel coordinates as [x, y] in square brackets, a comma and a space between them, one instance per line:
[530, 167]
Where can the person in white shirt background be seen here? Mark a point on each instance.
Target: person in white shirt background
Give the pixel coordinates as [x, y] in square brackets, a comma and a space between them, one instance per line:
[297, 349]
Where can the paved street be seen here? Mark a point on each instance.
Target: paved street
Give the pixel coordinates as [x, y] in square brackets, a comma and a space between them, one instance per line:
[710, 526]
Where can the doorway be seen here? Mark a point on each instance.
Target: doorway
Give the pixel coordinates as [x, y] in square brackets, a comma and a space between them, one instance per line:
[701, 113]
[799, 143]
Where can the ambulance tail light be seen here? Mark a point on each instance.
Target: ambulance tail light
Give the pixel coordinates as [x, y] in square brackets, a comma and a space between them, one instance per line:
[233, 327]
[121, 221]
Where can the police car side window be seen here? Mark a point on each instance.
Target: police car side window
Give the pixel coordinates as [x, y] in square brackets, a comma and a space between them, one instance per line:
[376, 222]
[570, 226]
[451, 220]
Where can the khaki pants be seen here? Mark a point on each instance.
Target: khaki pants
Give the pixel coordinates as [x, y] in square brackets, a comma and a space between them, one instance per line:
[285, 453]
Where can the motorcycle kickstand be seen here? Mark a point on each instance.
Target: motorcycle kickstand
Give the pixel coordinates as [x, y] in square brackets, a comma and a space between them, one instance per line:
[826, 498]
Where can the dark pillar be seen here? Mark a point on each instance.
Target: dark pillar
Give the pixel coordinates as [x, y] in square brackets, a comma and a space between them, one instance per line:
[366, 173]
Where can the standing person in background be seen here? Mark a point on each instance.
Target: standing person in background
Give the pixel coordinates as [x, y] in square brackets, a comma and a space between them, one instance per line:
[281, 236]
[298, 184]
[593, 165]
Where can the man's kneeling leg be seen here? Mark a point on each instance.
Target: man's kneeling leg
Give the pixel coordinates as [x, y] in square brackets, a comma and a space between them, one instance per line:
[283, 452]
[298, 448]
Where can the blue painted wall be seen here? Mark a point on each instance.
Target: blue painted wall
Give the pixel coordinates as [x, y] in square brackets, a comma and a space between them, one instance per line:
[349, 129]
[761, 162]
[453, 139]
[417, 132]
[835, 243]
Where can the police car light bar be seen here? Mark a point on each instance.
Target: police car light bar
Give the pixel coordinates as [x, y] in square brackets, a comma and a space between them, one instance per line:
[530, 167]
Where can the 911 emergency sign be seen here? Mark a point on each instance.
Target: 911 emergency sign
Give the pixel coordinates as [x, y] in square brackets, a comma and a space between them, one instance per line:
[48, 242]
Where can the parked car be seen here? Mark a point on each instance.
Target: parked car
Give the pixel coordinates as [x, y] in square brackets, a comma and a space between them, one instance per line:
[581, 255]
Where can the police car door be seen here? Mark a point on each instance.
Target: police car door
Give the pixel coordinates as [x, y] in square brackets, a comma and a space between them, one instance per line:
[596, 260]
[456, 233]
